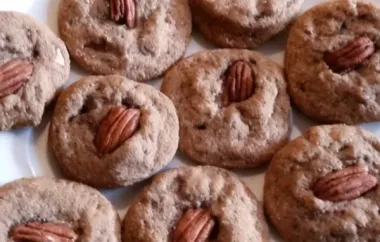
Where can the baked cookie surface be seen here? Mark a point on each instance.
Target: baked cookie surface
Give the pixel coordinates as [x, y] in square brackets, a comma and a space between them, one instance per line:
[322, 186]
[332, 62]
[108, 131]
[34, 64]
[242, 24]
[143, 45]
[232, 106]
[158, 213]
[43, 209]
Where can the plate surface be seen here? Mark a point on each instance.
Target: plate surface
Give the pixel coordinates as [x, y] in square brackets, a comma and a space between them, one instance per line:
[25, 153]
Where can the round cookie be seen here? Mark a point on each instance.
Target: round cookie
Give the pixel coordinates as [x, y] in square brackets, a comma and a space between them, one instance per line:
[322, 186]
[99, 146]
[52, 209]
[235, 213]
[332, 61]
[242, 24]
[34, 64]
[241, 133]
[154, 36]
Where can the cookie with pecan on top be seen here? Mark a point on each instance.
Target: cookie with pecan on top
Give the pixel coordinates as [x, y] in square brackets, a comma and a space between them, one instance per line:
[232, 105]
[332, 62]
[108, 131]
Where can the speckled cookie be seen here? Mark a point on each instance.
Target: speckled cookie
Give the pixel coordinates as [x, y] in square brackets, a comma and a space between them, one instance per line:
[34, 64]
[108, 131]
[245, 23]
[44, 209]
[332, 62]
[179, 201]
[139, 39]
[232, 105]
[323, 186]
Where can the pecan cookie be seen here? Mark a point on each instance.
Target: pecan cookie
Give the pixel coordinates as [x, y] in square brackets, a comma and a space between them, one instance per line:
[44, 209]
[34, 64]
[232, 105]
[242, 24]
[139, 39]
[323, 186]
[108, 131]
[332, 62]
[200, 203]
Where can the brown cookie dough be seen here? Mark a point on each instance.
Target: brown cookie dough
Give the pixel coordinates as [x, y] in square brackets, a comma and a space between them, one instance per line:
[310, 195]
[242, 24]
[81, 116]
[43, 206]
[332, 71]
[154, 37]
[34, 64]
[239, 134]
[156, 212]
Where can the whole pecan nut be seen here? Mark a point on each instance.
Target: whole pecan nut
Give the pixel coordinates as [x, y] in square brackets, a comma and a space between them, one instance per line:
[239, 83]
[346, 184]
[124, 10]
[351, 55]
[118, 126]
[13, 75]
[41, 232]
[195, 225]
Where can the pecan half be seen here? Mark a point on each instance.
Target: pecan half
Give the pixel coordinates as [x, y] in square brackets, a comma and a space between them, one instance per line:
[346, 184]
[124, 10]
[239, 83]
[42, 232]
[195, 225]
[351, 55]
[118, 126]
[13, 75]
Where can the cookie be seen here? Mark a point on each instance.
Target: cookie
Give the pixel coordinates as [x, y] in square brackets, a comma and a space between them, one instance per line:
[140, 41]
[34, 64]
[198, 202]
[232, 105]
[242, 24]
[322, 186]
[44, 209]
[108, 131]
[332, 62]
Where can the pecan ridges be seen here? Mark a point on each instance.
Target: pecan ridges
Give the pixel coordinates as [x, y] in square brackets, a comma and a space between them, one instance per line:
[239, 83]
[195, 225]
[13, 75]
[118, 126]
[41, 232]
[351, 55]
[346, 184]
[124, 9]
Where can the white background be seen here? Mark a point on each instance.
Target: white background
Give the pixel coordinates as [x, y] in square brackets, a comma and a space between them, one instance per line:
[24, 152]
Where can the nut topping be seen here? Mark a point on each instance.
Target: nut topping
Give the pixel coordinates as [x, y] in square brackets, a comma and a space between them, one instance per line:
[196, 225]
[118, 126]
[13, 75]
[351, 55]
[43, 232]
[346, 184]
[124, 9]
[239, 83]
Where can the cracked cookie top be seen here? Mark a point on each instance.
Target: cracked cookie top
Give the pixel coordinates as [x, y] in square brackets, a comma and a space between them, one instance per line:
[232, 106]
[155, 214]
[30, 208]
[108, 131]
[322, 186]
[139, 39]
[332, 62]
[34, 64]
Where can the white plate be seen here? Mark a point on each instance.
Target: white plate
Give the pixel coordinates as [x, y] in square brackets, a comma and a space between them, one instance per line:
[24, 153]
